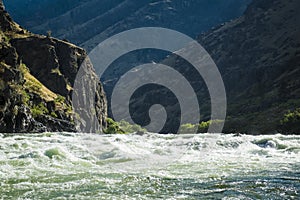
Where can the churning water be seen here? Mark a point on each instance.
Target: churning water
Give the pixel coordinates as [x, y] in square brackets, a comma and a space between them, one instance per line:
[151, 166]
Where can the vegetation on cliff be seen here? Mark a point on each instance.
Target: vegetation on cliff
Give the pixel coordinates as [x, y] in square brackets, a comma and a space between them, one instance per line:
[37, 74]
[290, 122]
[122, 127]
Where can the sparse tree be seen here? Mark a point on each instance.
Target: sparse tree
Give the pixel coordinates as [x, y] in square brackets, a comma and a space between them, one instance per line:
[49, 33]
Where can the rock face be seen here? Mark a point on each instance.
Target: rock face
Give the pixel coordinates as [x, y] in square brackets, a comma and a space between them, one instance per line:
[37, 75]
[86, 23]
[57, 71]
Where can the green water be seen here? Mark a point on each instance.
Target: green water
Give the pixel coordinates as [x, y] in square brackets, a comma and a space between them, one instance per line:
[208, 166]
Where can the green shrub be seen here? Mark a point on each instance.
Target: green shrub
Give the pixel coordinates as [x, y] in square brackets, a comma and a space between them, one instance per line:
[122, 127]
[53, 114]
[203, 127]
[113, 127]
[25, 97]
[199, 128]
[59, 99]
[39, 110]
[214, 124]
[188, 128]
[129, 128]
[23, 68]
[290, 122]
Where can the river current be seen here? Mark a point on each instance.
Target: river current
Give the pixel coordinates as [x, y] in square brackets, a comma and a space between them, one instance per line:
[149, 166]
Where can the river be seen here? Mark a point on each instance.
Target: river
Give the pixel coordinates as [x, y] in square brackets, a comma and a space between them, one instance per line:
[151, 166]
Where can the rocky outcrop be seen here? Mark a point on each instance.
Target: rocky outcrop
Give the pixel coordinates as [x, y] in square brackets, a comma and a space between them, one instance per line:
[37, 74]
[11, 112]
[56, 71]
[7, 23]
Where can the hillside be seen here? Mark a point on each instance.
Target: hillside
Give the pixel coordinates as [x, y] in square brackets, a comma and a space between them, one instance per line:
[258, 55]
[37, 74]
[34, 12]
[87, 23]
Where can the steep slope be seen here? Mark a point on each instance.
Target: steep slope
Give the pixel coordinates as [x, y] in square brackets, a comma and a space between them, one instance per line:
[86, 23]
[34, 12]
[259, 57]
[37, 75]
[187, 16]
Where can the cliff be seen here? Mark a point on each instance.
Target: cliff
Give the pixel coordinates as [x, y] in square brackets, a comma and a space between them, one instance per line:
[37, 75]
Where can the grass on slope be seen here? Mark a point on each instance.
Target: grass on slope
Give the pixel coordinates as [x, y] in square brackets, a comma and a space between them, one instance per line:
[35, 86]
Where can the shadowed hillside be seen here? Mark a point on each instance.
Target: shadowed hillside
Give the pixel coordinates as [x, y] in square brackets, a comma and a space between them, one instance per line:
[258, 55]
[87, 23]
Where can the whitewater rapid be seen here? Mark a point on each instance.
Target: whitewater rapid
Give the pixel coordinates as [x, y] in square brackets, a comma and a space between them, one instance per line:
[151, 166]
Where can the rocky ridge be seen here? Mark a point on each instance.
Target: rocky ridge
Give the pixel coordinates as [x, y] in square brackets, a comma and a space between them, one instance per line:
[36, 79]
